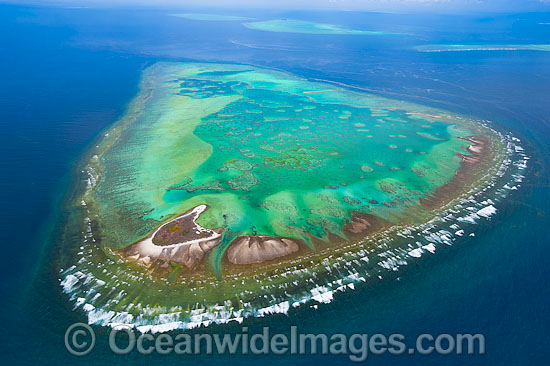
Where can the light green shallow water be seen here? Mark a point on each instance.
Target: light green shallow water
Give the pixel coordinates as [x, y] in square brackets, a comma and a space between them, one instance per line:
[268, 156]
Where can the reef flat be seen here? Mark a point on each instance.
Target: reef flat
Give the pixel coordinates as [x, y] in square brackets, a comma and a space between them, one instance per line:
[229, 191]
[482, 47]
[302, 26]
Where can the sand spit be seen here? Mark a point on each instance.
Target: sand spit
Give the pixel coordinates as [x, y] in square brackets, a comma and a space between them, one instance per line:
[189, 252]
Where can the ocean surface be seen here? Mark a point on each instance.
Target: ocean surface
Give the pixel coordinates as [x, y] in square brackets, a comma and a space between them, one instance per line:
[67, 74]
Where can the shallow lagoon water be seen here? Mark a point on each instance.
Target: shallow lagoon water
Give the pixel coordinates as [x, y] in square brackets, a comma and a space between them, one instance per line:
[494, 282]
[263, 147]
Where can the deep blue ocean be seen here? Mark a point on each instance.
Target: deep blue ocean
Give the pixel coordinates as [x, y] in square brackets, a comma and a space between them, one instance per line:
[66, 74]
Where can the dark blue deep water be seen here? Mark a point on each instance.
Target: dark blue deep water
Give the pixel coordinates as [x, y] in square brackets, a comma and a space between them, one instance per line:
[66, 74]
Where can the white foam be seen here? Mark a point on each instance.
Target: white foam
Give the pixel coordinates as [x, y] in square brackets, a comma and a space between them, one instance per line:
[417, 253]
[69, 282]
[429, 247]
[487, 211]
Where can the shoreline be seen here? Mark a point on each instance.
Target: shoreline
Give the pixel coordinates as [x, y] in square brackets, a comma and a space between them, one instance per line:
[188, 252]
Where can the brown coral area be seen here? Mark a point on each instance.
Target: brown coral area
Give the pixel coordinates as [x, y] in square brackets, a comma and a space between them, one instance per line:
[479, 148]
[364, 224]
[248, 249]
